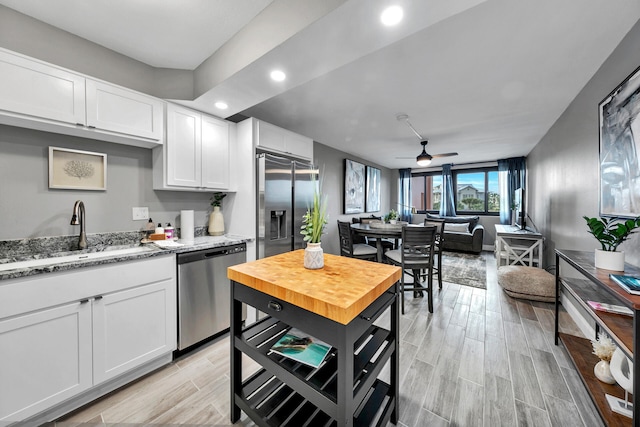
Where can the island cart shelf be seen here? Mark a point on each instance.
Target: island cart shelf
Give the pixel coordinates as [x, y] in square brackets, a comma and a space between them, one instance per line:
[337, 304]
[595, 285]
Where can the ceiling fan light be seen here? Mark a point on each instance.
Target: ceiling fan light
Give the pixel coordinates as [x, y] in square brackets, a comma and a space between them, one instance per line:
[423, 159]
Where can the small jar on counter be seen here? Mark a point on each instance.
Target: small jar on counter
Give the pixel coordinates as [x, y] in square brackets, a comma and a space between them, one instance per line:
[169, 232]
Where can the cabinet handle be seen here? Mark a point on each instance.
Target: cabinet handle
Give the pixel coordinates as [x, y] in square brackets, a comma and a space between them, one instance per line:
[84, 301]
[99, 297]
[376, 314]
[91, 127]
[274, 305]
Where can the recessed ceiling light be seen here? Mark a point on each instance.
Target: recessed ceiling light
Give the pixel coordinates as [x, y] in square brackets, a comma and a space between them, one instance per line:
[278, 75]
[391, 15]
[221, 105]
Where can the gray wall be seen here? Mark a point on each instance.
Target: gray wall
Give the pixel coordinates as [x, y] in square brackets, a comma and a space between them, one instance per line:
[28, 208]
[563, 167]
[331, 164]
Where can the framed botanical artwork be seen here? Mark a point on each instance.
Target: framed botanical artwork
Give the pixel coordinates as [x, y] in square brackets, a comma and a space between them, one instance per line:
[619, 148]
[354, 187]
[77, 170]
[373, 189]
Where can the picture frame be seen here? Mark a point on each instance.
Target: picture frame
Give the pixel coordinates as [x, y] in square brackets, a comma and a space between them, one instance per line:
[77, 170]
[619, 164]
[354, 187]
[372, 199]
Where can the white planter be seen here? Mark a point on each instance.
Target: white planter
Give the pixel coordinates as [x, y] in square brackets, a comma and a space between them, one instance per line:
[216, 222]
[609, 260]
[313, 256]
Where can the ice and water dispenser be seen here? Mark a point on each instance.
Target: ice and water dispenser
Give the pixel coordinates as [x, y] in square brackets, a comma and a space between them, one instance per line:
[278, 225]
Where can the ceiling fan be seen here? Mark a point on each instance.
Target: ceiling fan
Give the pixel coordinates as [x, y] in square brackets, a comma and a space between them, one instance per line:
[424, 158]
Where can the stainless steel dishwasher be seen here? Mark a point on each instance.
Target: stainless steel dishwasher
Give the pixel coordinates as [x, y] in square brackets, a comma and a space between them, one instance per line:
[204, 292]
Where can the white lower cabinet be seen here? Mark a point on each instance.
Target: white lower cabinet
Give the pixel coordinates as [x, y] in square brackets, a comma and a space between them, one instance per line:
[65, 335]
[46, 359]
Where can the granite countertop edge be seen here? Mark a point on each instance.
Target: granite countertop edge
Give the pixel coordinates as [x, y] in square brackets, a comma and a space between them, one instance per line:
[199, 243]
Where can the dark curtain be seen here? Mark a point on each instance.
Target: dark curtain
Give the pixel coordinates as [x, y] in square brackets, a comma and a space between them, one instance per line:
[405, 195]
[447, 205]
[511, 175]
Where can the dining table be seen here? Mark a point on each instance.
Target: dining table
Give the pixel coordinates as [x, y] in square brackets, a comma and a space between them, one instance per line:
[379, 231]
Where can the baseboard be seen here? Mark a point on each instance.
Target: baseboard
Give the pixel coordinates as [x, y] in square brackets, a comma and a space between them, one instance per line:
[585, 327]
[490, 248]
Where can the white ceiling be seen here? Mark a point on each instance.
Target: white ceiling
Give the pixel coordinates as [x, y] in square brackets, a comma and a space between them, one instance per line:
[485, 78]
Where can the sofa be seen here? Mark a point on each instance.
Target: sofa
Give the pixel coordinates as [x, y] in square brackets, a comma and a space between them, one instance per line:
[461, 233]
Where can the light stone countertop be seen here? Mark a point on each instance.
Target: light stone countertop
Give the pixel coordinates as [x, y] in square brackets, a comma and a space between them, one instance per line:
[69, 260]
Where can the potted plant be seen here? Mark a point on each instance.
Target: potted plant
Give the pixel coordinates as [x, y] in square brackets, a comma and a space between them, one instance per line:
[611, 232]
[313, 223]
[216, 219]
[391, 217]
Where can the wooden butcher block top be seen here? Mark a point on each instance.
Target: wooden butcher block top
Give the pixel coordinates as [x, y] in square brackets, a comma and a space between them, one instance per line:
[339, 291]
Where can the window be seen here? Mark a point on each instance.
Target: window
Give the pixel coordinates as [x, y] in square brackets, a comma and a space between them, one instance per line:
[477, 191]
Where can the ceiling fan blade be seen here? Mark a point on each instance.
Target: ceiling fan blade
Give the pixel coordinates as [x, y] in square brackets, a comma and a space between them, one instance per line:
[405, 157]
[444, 155]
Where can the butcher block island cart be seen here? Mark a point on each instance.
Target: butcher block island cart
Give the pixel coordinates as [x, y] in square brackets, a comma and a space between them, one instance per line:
[337, 304]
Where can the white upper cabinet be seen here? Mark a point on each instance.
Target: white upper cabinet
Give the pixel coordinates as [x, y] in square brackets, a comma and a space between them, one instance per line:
[37, 95]
[120, 110]
[196, 155]
[274, 138]
[40, 91]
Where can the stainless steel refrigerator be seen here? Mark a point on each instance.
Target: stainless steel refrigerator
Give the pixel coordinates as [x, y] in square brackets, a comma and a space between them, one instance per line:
[285, 190]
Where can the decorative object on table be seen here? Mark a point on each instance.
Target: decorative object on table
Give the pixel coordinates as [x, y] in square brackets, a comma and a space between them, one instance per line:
[603, 347]
[302, 348]
[313, 222]
[216, 219]
[514, 213]
[373, 189]
[622, 372]
[610, 308]
[630, 284]
[77, 170]
[619, 163]
[391, 217]
[354, 187]
[611, 232]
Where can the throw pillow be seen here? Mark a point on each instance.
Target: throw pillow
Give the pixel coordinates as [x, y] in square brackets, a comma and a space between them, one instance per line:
[457, 228]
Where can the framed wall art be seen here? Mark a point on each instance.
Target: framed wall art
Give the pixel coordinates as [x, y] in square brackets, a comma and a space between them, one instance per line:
[373, 189]
[77, 170]
[619, 147]
[354, 187]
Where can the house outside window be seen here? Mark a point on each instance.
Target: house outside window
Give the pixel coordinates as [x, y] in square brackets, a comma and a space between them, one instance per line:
[477, 191]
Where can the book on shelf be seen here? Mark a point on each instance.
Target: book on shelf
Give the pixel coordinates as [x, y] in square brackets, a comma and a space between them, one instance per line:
[302, 348]
[630, 284]
[610, 308]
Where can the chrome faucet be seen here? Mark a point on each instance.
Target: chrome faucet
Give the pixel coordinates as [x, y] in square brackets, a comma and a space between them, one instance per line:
[78, 219]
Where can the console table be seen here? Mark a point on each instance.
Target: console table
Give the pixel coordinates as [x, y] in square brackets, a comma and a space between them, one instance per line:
[518, 247]
[595, 285]
[337, 304]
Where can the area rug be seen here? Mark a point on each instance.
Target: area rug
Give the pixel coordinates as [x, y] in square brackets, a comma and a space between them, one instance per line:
[464, 269]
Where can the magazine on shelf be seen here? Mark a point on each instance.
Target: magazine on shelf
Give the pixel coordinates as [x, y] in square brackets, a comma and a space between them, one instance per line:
[302, 348]
[610, 308]
[630, 284]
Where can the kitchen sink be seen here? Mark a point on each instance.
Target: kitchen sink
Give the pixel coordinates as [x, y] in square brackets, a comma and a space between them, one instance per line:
[76, 257]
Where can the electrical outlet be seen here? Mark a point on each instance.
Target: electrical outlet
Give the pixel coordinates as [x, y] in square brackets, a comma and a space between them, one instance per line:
[140, 213]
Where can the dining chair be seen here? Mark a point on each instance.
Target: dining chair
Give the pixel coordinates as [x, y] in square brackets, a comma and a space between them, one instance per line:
[354, 250]
[414, 256]
[437, 252]
[386, 244]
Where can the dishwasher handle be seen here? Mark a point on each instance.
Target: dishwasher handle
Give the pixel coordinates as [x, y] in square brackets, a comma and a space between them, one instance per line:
[187, 257]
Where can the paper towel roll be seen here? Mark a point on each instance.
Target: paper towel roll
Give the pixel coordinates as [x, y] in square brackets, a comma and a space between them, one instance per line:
[186, 226]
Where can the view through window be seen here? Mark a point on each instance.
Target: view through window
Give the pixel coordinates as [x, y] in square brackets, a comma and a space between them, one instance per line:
[477, 191]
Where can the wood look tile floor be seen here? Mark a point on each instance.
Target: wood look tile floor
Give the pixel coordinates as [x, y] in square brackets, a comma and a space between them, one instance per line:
[481, 359]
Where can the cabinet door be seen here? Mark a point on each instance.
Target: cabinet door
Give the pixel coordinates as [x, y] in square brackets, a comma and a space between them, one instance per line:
[115, 109]
[31, 88]
[183, 145]
[215, 153]
[133, 327]
[299, 145]
[46, 358]
[271, 137]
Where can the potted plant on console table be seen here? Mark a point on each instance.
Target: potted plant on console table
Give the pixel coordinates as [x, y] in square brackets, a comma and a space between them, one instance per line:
[611, 232]
[313, 223]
